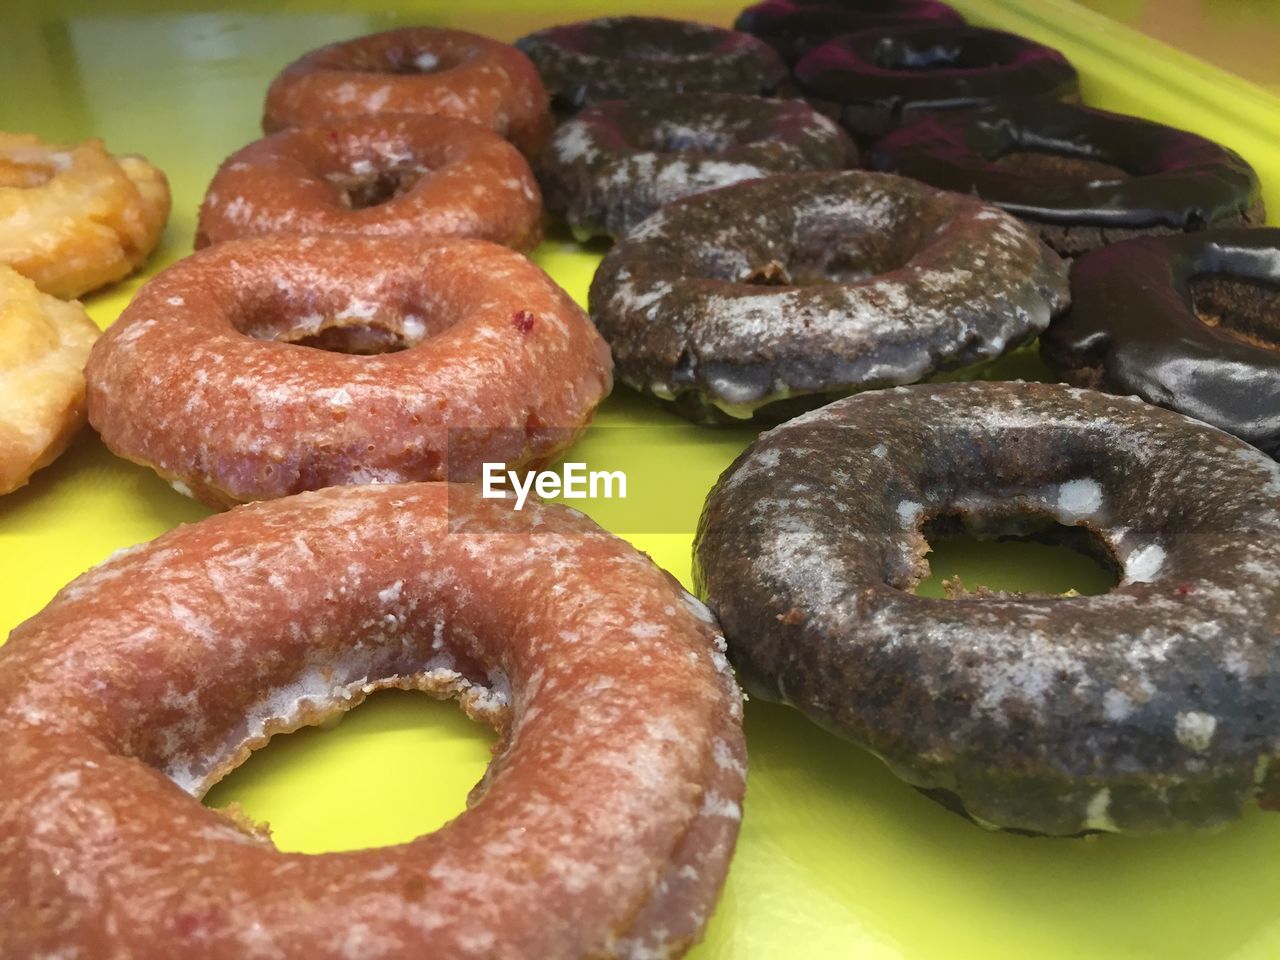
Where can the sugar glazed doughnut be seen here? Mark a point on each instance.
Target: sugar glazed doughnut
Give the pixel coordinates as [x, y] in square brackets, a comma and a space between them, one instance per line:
[415, 70]
[613, 164]
[779, 293]
[876, 80]
[1149, 707]
[73, 217]
[1188, 322]
[602, 828]
[617, 58]
[382, 174]
[213, 378]
[1083, 178]
[794, 27]
[42, 356]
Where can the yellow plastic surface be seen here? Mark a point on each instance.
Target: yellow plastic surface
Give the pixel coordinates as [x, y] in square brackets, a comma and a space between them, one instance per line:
[836, 858]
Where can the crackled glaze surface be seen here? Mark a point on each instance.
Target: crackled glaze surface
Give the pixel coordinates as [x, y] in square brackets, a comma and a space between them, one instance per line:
[615, 163]
[447, 178]
[870, 280]
[199, 380]
[602, 828]
[415, 70]
[1141, 709]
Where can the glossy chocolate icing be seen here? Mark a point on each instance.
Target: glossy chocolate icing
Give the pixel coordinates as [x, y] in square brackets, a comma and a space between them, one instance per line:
[1135, 327]
[1170, 177]
[614, 58]
[794, 28]
[878, 79]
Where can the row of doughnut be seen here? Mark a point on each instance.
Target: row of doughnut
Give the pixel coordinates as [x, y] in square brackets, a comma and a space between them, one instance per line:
[359, 318]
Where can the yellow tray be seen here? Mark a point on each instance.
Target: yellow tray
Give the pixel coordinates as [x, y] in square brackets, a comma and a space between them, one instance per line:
[836, 858]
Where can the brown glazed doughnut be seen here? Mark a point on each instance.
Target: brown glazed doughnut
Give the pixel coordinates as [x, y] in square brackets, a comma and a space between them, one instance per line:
[602, 828]
[415, 70]
[211, 375]
[410, 174]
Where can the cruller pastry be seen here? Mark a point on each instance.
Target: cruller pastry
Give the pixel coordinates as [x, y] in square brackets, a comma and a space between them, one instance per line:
[72, 216]
[43, 350]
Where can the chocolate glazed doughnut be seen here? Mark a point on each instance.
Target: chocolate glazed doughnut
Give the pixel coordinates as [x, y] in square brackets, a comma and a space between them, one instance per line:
[603, 827]
[614, 163]
[1084, 178]
[415, 70]
[263, 367]
[1187, 322]
[380, 175]
[1146, 708]
[762, 298]
[794, 28]
[876, 80]
[615, 58]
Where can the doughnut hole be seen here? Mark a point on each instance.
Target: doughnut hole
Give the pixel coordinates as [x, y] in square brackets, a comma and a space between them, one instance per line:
[1243, 308]
[338, 322]
[360, 191]
[911, 54]
[1015, 554]
[396, 767]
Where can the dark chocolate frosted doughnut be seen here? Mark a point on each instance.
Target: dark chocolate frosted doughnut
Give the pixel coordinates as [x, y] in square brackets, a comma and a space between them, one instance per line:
[794, 27]
[602, 828]
[614, 58]
[1145, 708]
[877, 79]
[1190, 322]
[614, 163]
[807, 284]
[1084, 178]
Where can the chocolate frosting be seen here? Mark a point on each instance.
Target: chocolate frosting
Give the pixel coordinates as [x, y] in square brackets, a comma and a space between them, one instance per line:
[1175, 178]
[794, 28]
[1133, 328]
[616, 162]
[812, 283]
[876, 79]
[1145, 708]
[613, 58]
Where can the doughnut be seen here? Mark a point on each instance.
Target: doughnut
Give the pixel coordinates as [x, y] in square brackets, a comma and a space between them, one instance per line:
[614, 163]
[1083, 178]
[262, 367]
[1188, 322]
[380, 174]
[616, 58]
[794, 27]
[1149, 707]
[602, 828]
[876, 80]
[415, 70]
[73, 217]
[42, 355]
[770, 296]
